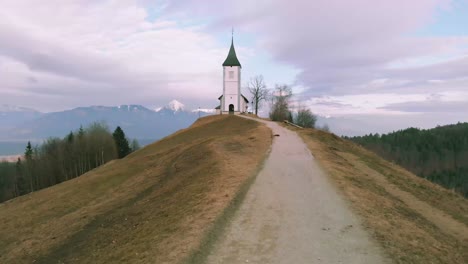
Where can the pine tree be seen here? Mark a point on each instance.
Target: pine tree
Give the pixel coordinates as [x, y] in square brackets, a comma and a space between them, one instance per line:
[81, 132]
[70, 137]
[439, 154]
[28, 152]
[28, 156]
[121, 142]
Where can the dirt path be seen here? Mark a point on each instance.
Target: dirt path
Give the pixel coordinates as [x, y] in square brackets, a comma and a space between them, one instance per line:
[292, 214]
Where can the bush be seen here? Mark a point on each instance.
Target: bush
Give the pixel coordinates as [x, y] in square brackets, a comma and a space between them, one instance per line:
[305, 118]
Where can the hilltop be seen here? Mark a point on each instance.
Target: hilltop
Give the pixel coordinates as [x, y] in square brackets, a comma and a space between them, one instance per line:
[153, 206]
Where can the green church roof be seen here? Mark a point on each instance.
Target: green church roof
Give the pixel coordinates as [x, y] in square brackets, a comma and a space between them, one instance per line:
[231, 59]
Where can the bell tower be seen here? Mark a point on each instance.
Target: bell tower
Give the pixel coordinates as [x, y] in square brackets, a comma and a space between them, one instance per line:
[231, 98]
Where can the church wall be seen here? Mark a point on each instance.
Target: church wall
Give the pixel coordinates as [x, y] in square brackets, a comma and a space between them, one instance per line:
[235, 74]
[231, 99]
[231, 87]
[245, 106]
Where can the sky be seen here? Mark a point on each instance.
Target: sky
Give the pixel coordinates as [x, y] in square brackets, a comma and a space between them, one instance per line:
[392, 64]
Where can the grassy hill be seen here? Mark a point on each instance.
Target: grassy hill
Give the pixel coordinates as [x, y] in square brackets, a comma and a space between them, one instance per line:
[414, 220]
[154, 206]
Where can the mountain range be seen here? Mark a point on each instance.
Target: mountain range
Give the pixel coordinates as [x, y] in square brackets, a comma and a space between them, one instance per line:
[18, 124]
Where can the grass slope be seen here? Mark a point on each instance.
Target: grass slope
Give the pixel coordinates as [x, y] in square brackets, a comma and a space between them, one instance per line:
[154, 206]
[414, 220]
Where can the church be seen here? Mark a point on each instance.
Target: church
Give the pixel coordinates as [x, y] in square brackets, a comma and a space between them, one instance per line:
[232, 101]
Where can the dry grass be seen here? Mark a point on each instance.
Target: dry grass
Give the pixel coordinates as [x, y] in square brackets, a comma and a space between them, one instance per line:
[414, 220]
[154, 206]
[257, 117]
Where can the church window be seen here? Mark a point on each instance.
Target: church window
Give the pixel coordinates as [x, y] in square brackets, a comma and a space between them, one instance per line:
[231, 74]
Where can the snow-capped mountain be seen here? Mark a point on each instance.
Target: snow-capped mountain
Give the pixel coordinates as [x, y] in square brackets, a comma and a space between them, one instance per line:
[174, 106]
[208, 111]
[131, 108]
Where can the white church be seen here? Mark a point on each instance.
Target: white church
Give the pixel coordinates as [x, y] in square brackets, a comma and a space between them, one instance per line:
[232, 101]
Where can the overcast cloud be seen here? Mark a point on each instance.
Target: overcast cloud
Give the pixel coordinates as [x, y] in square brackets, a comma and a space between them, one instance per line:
[360, 57]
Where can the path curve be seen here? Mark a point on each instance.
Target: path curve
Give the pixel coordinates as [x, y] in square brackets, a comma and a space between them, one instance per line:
[292, 214]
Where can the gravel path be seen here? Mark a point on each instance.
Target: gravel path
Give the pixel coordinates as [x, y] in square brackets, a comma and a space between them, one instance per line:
[292, 214]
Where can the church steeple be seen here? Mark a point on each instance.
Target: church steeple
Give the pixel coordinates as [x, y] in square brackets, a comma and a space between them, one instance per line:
[232, 101]
[231, 59]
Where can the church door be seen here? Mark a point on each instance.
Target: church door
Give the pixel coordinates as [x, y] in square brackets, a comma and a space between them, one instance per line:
[231, 109]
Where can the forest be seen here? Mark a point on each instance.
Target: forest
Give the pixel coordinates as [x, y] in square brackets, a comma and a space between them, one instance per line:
[439, 154]
[61, 159]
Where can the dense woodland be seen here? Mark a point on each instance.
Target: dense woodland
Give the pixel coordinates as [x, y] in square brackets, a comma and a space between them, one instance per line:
[439, 154]
[62, 159]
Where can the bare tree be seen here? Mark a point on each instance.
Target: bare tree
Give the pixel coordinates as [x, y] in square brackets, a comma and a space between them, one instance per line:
[258, 90]
[280, 103]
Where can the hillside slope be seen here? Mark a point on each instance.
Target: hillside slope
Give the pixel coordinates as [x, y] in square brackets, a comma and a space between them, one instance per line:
[153, 206]
[439, 154]
[414, 220]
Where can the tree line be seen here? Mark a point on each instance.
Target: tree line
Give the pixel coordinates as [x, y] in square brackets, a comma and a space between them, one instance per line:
[61, 159]
[439, 154]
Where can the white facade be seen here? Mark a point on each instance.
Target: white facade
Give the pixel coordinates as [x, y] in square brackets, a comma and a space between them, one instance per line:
[231, 100]
[244, 104]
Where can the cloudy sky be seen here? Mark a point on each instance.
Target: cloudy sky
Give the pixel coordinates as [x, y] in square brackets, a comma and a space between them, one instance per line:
[394, 62]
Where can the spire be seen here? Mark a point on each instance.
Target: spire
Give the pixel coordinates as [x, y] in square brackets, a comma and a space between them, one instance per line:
[231, 59]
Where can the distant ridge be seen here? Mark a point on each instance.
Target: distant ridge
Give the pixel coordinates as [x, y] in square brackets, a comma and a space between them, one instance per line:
[4, 108]
[137, 121]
